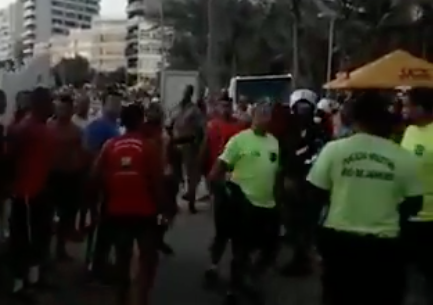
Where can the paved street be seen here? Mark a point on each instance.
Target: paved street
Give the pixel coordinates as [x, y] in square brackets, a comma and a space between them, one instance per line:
[179, 280]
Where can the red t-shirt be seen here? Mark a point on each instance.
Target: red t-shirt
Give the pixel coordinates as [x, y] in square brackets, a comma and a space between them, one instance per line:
[218, 134]
[129, 172]
[31, 145]
[279, 124]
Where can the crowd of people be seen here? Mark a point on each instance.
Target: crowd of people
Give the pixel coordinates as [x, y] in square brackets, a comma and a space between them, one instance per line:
[361, 203]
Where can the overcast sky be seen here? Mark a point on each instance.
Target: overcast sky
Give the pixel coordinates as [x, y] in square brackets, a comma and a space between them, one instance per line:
[109, 8]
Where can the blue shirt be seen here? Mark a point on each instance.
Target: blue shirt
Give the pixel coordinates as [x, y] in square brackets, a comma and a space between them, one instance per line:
[98, 132]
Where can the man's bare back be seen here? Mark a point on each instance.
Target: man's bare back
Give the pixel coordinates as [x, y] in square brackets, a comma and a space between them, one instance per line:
[69, 153]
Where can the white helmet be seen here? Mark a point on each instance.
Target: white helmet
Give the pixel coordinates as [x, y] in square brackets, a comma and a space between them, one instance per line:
[327, 105]
[303, 94]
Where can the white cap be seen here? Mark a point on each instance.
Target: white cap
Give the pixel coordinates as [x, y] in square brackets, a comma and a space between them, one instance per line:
[154, 100]
[327, 105]
[303, 94]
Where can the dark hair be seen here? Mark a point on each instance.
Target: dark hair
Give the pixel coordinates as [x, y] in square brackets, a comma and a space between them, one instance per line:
[370, 110]
[2, 95]
[155, 113]
[110, 92]
[422, 97]
[40, 94]
[132, 116]
[66, 99]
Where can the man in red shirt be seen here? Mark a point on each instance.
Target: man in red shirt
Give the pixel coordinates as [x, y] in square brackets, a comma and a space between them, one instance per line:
[218, 132]
[30, 149]
[131, 183]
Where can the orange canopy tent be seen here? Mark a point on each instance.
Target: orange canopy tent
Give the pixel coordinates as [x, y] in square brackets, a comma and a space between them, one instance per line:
[393, 70]
[341, 77]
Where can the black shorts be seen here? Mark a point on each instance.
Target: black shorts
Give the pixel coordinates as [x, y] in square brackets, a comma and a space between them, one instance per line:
[418, 246]
[66, 188]
[361, 269]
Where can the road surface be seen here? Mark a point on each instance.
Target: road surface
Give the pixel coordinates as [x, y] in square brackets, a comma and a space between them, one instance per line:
[179, 280]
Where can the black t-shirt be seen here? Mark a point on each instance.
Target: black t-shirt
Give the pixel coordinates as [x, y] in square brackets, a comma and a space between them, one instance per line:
[298, 150]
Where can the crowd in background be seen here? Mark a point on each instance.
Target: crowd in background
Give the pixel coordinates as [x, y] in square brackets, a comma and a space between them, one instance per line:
[265, 165]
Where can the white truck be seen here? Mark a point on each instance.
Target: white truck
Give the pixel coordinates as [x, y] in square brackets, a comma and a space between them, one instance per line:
[272, 87]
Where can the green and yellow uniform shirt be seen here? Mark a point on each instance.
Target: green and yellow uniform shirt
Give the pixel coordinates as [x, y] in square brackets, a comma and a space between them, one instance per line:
[419, 141]
[367, 177]
[255, 162]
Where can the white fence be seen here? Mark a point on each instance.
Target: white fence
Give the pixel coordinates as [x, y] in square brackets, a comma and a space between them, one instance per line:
[36, 72]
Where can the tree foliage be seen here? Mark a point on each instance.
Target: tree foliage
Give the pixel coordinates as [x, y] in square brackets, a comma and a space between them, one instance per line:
[251, 34]
[118, 76]
[75, 71]
[12, 64]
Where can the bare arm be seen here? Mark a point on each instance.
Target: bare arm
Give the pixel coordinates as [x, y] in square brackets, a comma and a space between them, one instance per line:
[219, 171]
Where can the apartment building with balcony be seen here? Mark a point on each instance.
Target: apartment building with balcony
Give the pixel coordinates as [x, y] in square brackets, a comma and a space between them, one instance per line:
[103, 45]
[11, 21]
[109, 43]
[44, 19]
[145, 39]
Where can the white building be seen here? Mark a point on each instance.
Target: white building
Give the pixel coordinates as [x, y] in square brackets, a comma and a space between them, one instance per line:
[135, 12]
[108, 44]
[150, 50]
[144, 47]
[11, 21]
[103, 45]
[46, 18]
